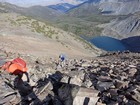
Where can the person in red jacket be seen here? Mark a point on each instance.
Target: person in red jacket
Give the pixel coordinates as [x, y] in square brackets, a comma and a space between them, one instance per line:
[16, 67]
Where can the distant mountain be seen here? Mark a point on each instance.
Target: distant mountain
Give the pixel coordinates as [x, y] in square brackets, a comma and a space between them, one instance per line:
[123, 28]
[87, 18]
[29, 3]
[84, 9]
[37, 12]
[42, 12]
[110, 7]
[119, 7]
[61, 7]
[64, 7]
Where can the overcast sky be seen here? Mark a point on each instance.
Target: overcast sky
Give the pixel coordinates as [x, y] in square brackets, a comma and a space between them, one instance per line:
[38, 2]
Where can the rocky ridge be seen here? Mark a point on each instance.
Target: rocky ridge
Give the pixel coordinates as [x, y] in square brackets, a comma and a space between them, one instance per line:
[119, 7]
[123, 28]
[110, 79]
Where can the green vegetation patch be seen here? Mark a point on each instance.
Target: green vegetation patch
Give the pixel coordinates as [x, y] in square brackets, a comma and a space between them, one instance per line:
[102, 18]
[85, 25]
[43, 29]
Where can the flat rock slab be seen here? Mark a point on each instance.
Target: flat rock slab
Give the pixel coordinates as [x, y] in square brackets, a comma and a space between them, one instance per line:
[86, 96]
[101, 86]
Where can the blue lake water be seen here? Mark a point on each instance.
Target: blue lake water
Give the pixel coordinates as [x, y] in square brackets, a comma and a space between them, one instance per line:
[108, 43]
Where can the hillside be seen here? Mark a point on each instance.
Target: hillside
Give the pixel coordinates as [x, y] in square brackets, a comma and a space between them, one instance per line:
[78, 25]
[108, 7]
[119, 7]
[21, 34]
[85, 24]
[123, 28]
[115, 18]
[42, 13]
[85, 9]
[89, 18]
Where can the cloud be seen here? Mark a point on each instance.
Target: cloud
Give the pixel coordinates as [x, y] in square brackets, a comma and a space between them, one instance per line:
[72, 1]
[27, 3]
[32, 2]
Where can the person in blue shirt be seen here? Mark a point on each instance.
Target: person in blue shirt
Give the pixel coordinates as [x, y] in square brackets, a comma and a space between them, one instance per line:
[62, 57]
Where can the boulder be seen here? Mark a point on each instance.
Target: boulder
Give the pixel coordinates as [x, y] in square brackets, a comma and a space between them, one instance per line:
[101, 86]
[86, 96]
[121, 84]
[104, 79]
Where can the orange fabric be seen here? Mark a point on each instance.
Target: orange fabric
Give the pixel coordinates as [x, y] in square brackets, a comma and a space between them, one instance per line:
[15, 69]
[6, 65]
[16, 66]
[19, 61]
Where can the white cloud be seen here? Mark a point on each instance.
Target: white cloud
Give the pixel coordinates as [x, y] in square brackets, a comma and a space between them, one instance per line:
[39, 2]
[71, 1]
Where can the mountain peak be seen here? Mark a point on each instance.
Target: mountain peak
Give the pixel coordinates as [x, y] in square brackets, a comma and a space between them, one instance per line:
[61, 7]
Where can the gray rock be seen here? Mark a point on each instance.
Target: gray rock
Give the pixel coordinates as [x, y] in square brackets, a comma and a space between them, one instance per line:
[113, 92]
[101, 86]
[132, 72]
[104, 79]
[65, 79]
[136, 96]
[76, 80]
[132, 66]
[87, 83]
[99, 103]
[121, 84]
[86, 64]
[85, 95]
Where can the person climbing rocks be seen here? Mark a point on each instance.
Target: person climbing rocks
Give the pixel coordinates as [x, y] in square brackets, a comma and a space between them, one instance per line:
[62, 59]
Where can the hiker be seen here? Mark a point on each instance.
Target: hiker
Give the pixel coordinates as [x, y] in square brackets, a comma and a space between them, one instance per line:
[16, 67]
[62, 59]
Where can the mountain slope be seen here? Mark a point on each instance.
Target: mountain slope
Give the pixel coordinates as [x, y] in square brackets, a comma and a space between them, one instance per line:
[118, 13]
[120, 7]
[42, 12]
[123, 28]
[85, 9]
[24, 35]
[110, 7]
[37, 12]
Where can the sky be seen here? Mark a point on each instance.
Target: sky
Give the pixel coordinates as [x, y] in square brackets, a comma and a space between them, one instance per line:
[27, 3]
